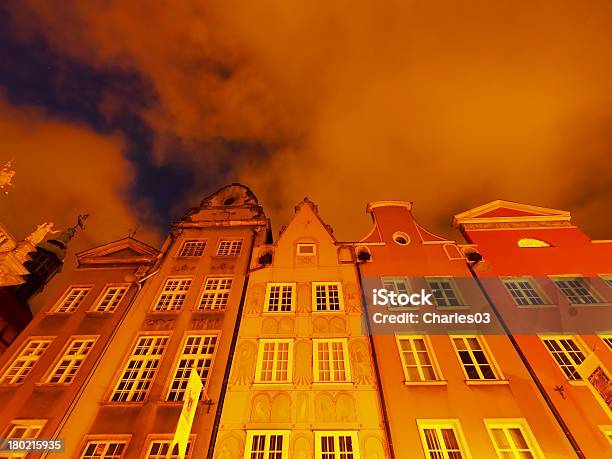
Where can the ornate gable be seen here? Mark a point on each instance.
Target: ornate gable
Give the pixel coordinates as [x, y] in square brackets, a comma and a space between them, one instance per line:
[124, 251]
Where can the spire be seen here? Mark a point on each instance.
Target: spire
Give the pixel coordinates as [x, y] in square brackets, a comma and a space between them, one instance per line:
[59, 244]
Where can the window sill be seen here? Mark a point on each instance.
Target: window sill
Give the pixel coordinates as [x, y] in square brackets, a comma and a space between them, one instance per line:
[272, 386]
[441, 382]
[207, 312]
[174, 312]
[99, 313]
[279, 313]
[123, 404]
[340, 312]
[581, 305]
[577, 382]
[333, 385]
[487, 382]
[48, 385]
[536, 306]
[10, 386]
[452, 308]
[59, 314]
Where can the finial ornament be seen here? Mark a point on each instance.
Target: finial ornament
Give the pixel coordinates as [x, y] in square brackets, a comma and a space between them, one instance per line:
[6, 177]
[40, 233]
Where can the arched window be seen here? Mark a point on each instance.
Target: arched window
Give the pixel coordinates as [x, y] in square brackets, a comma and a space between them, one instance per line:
[530, 242]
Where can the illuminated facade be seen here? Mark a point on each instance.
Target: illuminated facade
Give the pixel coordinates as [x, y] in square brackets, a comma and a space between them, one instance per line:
[292, 365]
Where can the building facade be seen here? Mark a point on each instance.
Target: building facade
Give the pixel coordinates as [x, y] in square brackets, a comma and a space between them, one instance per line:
[553, 287]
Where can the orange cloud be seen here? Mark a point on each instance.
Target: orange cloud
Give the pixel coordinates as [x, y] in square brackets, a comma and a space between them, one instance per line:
[446, 105]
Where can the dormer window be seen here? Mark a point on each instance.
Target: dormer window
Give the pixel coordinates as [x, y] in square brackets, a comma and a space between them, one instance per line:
[229, 201]
[401, 238]
[306, 249]
[530, 242]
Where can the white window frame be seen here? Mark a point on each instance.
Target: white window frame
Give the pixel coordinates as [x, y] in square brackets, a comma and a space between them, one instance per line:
[332, 368]
[186, 361]
[22, 364]
[606, 430]
[581, 350]
[111, 298]
[248, 446]
[573, 292]
[607, 278]
[526, 299]
[166, 440]
[607, 339]
[234, 247]
[437, 425]
[66, 305]
[484, 348]
[336, 434]
[33, 428]
[147, 358]
[282, 286]
[105, 442]
[192, 248]
[519, 423]
[172, 296]
[215, 294]
[454, 289]
[326, 286]
[301, 245]
[72, 357]
[275, 361]
[418, 364]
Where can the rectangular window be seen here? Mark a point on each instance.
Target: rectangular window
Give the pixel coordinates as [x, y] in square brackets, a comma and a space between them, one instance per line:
[199, 353]
[24, 361]
[275, 361]
[566, 353]
[327, 296]
[229, 248]
[111, 298]
[101, 449]
[216, 293]
[575, 290]
[444, 291]
[395, 284]
[306, 249]
[160, 449]
[267, 444]
[607, 339]
[69, 363]
[512, 439]
[473, 358]
[331, 360]
[608, 280]
[192, 249]
[72, 299]
[140, 369]
[173, 295]
[442, 439]
[417, 359]
[336, 445]
[22, 428]
[279, 297]
[523, 291]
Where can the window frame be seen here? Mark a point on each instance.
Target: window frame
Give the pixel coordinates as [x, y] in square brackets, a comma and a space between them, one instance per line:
[457, 292]
[216, 294]
[432, 357]
[587, 286]
[438, 425]
[62, 299]
[220, 242]
[197, 242]
[513, 423]
[164, 438]
[24, 423]
[173, 294]
[532, 243]
[175, 365]
[260, 359]
[269, 287]
[316, 363]
[105, 439]
[581, 347]
[299, 245]
[62, 357]
[533, 285]
[17, 354]
[607, 279]
[98, 302]
[326, 284]
[484, 347]
[336, 434]
[119, 376]
[607, 339]
[248, 444]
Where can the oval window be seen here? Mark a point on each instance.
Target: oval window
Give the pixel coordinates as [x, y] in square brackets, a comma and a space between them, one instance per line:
[229, 201]
[401, 238]
[530, 242]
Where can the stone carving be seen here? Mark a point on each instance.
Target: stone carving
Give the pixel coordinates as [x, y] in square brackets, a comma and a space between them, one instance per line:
[159, 324]
[286, 325]
[302, 448]
[244, 366]
[222, 267]
[212, 323]
[329, 325]
[336, 325]
[254, 304]
[374, 448]
[303, 362]
[329, 409]
[320, 325]
[281, 408]
[183, 268]
[229, 448]
[260, 411]
[324, 408]
[302, 408]
[304, 297]
[269, 325]
[352, 297]
[345, 408]
[40, 233]
[360, 359]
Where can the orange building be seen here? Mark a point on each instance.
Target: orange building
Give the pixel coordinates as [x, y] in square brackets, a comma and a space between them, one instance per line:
[553, 287]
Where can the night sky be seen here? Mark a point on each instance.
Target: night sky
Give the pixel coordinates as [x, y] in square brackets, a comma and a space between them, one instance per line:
[134, 111]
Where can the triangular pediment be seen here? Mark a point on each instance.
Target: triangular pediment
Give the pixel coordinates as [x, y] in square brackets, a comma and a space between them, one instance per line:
[126, 250]
[507, 211]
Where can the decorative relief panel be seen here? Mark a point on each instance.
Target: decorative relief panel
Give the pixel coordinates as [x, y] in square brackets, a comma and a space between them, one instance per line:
[333, 325]
[261, 408]
[360, 362]
[302, 408]
[281, 408]
[255, 299]
[304, 297]
[209, 323]
[340, 408]
[373, 448]
[352, 297]
[302, 448]
[183, 268]
[229, 447]
[243, 370]
[222, 267]
[153, 324]
[303, 362]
